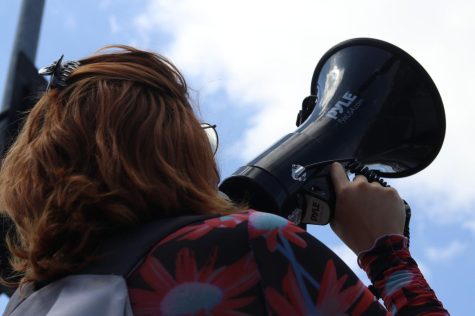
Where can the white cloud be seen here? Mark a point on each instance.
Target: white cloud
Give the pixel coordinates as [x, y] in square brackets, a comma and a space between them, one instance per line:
[351, 260]
[262, 54]
[425, 270]
[446, 253]
[470, 225]
[70, 22]
[105, 4]
[113, 24]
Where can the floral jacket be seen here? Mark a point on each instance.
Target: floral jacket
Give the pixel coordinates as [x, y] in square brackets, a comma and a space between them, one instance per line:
[254, 263]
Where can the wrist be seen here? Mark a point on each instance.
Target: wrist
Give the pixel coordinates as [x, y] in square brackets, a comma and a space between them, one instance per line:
[384, 246]
[388, 255]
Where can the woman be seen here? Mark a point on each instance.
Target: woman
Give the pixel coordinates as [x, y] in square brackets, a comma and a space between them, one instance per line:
[116, 143]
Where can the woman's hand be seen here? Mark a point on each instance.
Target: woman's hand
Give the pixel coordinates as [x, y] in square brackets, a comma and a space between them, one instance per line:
[364, 211]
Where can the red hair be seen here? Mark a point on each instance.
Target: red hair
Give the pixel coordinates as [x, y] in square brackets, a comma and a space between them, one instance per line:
[120, 145]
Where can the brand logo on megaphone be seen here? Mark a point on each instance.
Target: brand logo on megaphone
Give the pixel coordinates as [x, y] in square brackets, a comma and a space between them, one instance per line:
[345, 107]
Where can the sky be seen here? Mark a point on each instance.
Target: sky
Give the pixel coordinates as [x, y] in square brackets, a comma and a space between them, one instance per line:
[249, 65]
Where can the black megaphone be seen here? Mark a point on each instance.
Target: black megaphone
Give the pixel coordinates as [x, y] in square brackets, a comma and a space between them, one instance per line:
[372, 107]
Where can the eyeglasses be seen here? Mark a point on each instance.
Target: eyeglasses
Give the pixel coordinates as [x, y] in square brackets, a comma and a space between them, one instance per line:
[210, 131]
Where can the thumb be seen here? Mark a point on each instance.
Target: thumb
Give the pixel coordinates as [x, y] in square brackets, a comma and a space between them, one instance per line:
[338, 175]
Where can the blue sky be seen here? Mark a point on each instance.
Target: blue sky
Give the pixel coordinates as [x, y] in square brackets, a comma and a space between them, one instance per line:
[249, 64]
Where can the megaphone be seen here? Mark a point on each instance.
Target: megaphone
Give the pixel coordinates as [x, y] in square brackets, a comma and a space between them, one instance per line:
[372, 107]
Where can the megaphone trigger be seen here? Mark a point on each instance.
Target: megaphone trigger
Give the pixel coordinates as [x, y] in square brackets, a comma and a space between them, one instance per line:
[319, 202]
[316, 199]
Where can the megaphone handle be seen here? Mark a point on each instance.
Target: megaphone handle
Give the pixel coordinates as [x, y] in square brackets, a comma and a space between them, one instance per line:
[317, 201]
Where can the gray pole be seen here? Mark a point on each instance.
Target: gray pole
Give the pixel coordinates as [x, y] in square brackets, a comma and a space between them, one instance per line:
[26, 41]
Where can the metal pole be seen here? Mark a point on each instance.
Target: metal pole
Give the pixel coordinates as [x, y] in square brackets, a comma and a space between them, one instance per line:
[26, 41]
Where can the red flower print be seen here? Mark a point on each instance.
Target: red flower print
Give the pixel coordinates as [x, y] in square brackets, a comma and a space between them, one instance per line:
[193, 232]
[269, 226]
[292, 303]
[194, 290]
[334, 299]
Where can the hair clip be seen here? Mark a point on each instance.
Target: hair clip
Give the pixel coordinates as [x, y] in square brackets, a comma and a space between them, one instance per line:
[59, 72]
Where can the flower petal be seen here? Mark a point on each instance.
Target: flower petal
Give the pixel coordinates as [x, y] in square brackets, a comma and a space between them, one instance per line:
[155, 275]
[278, 303]
[185, 266]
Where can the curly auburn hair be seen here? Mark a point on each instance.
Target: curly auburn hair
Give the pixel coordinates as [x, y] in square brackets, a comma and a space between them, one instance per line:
[119, 146]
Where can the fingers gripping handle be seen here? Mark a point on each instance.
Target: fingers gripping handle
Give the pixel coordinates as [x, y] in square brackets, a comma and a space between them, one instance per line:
[317, 198]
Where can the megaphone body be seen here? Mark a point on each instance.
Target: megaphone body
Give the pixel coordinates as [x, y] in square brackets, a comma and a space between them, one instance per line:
[370, 102]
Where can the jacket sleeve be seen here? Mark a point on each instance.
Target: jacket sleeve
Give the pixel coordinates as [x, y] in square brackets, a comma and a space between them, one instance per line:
[397, 279]
[301, 276]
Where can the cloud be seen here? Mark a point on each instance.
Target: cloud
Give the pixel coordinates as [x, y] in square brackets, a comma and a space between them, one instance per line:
[104, 4]
[70, 22]
[262, 55]
[113, 24]
[349, 257]
[470, 225]
[425, 270]
[446, 253]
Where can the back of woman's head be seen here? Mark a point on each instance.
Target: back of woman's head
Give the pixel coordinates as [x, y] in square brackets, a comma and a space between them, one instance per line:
[119, 145]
